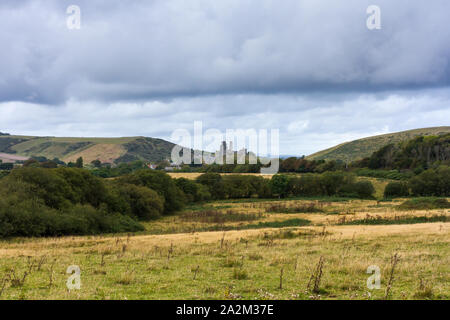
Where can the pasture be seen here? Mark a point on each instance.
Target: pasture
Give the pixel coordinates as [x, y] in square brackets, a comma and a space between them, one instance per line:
[245, 249]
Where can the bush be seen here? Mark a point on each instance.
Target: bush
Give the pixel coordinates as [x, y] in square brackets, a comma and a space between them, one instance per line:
[39, 183]
[214, 183]
[364, 189]
[194, 192]
[138, 202]
[306, 185]
[280, 185]
[396, 189]
[85, 187]
[244, 186]
[432, 182]
[33, 219]
[162, 183]
[333, 183]
[361, 189]
[3, 173]
[54, 202]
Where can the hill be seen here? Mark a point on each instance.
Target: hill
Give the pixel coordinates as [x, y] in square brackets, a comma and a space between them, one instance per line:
[362, 148]
[419, 153]
[107, 150]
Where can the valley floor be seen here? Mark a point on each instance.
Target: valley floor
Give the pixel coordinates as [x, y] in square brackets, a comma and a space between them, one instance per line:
[316, 255]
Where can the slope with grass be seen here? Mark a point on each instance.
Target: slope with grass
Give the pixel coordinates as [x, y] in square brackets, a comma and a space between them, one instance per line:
[113, 150]
[358, 149]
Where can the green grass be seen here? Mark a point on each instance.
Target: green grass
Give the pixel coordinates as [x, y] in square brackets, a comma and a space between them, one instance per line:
[242, 264]
[252, 271]
[424, 204]
[318, 198]
[297, 222]
[398, 220]
[216, 216]
[298, 208]
[142, 148]
[358, 149]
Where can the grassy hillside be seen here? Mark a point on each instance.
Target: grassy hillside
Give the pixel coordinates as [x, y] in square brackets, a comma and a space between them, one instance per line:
[104, 149]
[358, 149]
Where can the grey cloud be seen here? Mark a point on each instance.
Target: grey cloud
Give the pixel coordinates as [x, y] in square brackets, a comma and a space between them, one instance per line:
[166, 49]
[315, 126]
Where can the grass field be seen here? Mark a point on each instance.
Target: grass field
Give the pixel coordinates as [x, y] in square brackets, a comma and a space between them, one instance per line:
[261, 255]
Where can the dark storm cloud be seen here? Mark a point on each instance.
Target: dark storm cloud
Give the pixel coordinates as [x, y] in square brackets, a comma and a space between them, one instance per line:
[145, 50]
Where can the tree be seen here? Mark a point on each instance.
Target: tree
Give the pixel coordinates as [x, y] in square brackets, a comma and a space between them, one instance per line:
[280, 185]
[364, 189]
[49, 164]
[396, 189]
[6, 166]
[162, 183]
[432, 182]
[79, 162]
[96, 163]
[137, 201]
[215, 184]
[194, 191]
[31, 163]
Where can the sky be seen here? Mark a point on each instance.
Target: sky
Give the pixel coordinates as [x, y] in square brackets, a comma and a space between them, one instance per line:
[310, 68]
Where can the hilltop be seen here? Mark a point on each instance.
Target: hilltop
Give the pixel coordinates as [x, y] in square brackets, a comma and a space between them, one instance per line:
[107, 150]
[362, 148]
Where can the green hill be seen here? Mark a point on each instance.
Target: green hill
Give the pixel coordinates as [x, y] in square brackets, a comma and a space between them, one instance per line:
[421, 152]
[112, 150]
[362, 148]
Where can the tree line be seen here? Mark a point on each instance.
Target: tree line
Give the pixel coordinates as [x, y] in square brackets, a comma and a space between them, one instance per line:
[60, 201]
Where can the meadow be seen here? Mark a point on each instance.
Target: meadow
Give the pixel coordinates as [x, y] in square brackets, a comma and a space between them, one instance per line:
[300, 248]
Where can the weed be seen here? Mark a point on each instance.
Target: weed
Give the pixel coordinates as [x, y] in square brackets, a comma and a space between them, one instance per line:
[394, 260]
[316, 277]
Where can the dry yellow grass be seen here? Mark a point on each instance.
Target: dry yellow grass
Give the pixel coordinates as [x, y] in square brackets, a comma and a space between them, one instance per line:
[70, 245]
[150, 266]
[106, 153]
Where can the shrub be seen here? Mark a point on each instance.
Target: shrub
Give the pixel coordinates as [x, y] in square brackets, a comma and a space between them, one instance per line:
[162, 183]
[306, 185]
[33, 219]
[244, 186]
[3, 173]
[333, 182]
[194, 192]
[39, 183]
[85, 187]
[361, 189]
[396, 189]
[214, 183]
[432, 182]
[54, 202]
[136, 201]
[280, 185]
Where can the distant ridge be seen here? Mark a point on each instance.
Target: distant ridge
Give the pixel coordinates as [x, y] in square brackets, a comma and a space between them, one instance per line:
[107, 150]
[361, 148]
